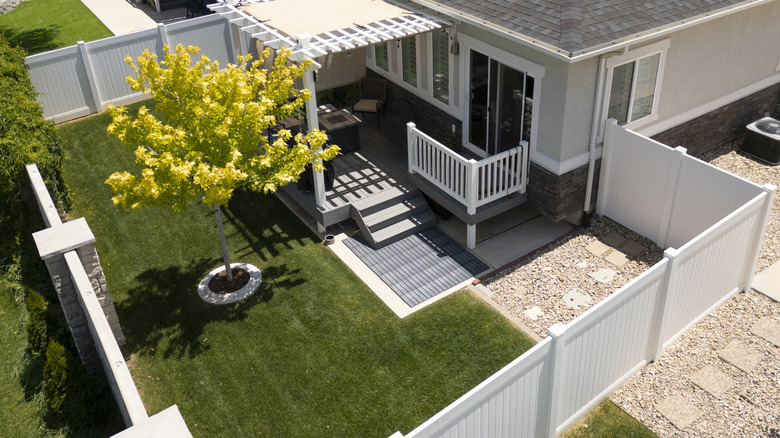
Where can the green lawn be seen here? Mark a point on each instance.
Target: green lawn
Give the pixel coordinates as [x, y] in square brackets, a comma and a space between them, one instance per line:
[43, 25]
[312, 353]
[607, 421]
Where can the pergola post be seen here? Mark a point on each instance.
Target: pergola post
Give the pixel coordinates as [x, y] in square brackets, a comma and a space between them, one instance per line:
[312, 124]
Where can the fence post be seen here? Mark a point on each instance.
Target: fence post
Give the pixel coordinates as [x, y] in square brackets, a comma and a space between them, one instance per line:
[750, 267]
[93, 88]
[655, 343]
[522, 165]
[605, 173]
[472, 185]
[163, 35]
[555, 332]
[411, 150]
[670, 197]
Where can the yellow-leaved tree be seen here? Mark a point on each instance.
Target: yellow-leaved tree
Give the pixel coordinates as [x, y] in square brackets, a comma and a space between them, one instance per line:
[208, 132]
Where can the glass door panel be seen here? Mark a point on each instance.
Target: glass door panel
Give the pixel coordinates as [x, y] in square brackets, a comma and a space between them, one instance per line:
[500, 105]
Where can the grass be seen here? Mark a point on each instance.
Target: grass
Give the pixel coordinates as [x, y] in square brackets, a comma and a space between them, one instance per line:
[312, 353]
[43, 25]
[607, 421]
[19, 416]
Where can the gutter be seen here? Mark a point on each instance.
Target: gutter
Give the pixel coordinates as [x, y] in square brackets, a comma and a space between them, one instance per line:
[594, 128]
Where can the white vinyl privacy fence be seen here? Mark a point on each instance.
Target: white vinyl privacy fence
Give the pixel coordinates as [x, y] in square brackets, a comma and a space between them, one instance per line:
[715, 222]
[80, 80]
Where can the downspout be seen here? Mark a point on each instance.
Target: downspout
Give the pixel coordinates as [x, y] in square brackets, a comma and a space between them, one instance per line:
[594, 128]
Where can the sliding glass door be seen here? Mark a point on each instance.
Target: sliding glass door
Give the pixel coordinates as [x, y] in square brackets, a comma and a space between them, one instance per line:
[500, 105]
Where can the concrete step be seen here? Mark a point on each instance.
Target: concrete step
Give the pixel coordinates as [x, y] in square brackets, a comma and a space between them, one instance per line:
[395, 212]
[405, 227]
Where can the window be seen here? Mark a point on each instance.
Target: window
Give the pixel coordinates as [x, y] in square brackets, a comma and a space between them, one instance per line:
[635, 79]
[380, 56]
[409, 60]
[441, 66]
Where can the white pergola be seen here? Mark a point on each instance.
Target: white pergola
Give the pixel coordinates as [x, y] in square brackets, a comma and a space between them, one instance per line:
[314, 28]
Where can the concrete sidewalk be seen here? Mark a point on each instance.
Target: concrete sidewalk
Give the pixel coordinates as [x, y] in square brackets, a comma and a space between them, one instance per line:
[768, 282]
[126, 16]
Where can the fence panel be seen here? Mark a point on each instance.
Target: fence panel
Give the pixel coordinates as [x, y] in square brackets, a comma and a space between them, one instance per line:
[211, 33]
[62, 83]
[711, 268]
[606, 345]
[511, 403]
[62, 77]
[704, 195]
[637, 174]
[107, 58]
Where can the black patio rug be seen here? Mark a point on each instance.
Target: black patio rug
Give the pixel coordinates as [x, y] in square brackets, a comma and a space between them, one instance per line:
[420, 266]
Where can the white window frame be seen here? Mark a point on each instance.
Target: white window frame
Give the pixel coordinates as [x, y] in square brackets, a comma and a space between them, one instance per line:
[634, 56]
[536, 71]
[451, 71]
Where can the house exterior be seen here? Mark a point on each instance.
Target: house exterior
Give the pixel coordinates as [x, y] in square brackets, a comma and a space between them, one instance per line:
[551, 72]
[509, 99]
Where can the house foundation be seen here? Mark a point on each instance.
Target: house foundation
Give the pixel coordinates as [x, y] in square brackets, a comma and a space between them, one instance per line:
[724, 124]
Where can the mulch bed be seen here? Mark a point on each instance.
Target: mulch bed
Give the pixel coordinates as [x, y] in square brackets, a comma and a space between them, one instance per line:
[219, 284]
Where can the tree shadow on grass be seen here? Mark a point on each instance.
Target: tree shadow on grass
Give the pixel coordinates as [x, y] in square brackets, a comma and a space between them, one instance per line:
[164, 315]
[34, 41]
[265, 223]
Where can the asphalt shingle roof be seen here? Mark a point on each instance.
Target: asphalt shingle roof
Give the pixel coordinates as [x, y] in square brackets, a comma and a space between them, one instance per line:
[578, 25]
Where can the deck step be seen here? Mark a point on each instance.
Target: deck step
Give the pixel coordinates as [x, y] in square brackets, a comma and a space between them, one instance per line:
[392, 215]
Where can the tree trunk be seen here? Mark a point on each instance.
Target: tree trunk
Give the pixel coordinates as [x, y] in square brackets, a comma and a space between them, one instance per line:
[225, 256]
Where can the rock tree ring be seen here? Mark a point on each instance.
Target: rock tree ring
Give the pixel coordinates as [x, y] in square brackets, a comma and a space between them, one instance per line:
[255, 277]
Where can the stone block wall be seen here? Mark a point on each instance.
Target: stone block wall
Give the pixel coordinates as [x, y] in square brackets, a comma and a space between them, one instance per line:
[560, 196]
[724, 124]
[91, 262]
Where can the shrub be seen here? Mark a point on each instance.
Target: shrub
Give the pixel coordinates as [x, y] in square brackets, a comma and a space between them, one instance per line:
[55, 374]
[36, 322]
[25, 137]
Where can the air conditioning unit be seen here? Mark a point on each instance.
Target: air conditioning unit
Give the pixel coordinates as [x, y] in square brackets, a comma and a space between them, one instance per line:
[762, 140]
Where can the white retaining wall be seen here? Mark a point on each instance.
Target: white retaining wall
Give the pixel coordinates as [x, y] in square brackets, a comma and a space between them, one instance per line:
[716, 218]
[80, 80]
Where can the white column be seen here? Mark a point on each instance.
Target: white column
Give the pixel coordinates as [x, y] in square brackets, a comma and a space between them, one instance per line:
[471, 236]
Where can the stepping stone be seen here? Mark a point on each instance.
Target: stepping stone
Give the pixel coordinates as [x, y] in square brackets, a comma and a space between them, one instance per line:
[597, 248]
[633, 248]
[617, 258]
[533, 313]
[582, 265]
[712, 380]
[768, 329]
[576, 299]
[614, 240]
[603, 275]
[679, 411]
[741, 356]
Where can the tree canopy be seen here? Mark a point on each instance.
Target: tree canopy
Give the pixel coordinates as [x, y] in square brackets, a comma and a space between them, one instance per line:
[208, 132]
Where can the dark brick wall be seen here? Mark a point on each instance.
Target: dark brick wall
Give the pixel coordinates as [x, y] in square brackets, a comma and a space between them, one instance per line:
[559, 196]
[402, 107]
[724, 124]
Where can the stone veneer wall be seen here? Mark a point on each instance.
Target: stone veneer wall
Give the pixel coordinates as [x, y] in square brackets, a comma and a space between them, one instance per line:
[402, 106]
[724, 124]
[74, 314]
[560, 196]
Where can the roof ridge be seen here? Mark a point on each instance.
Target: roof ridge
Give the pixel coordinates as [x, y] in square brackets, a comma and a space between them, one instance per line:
[571, 25]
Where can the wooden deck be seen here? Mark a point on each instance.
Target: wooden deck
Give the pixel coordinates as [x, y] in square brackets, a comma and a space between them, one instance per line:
[379, 164]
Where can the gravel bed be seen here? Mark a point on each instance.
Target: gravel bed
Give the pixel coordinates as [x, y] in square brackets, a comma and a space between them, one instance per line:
[727, 158]
[544, 279]
[751, 408]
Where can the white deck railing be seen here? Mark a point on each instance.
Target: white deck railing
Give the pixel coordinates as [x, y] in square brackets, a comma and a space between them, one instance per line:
[472, 183]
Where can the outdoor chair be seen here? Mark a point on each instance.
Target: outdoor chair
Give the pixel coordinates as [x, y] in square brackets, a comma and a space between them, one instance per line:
[371, 98]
